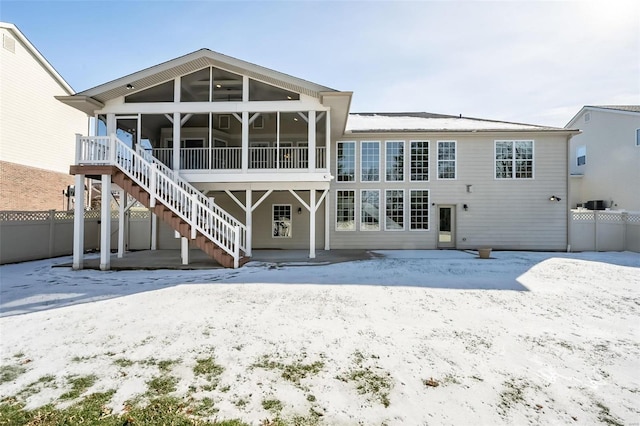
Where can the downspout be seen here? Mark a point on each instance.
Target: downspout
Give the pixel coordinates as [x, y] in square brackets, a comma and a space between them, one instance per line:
[568, 185]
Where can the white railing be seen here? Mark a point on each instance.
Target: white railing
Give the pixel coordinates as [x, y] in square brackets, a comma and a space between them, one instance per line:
[230, 158]
[149, 175]
[200, 196]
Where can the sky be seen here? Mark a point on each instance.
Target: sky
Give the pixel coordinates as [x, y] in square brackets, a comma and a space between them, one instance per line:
[524, 61]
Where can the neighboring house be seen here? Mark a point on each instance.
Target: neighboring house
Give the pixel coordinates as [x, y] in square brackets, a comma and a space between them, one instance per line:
[36, 131]
[605, 158]
[284, 157]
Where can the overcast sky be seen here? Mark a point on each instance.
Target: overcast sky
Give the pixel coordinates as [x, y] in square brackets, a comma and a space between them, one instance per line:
[533, 62]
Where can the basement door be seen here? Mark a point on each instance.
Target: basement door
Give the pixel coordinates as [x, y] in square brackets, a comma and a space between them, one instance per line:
[446, 227]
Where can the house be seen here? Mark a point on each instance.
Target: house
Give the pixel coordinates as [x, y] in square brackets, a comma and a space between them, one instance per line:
[605, 158]
[232, 156]
[36, 131]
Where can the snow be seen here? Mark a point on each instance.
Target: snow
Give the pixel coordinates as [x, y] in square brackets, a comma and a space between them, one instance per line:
[373, 122]
[522, 338]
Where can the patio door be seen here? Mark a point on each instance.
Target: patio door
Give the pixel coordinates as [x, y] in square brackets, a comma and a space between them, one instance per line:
[127, 129]
[446, 227]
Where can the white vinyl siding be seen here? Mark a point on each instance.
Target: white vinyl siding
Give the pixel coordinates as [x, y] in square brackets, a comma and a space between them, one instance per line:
[419, 210]
[419, 161]
[514, 159]
[394, 210]
[345, 210]
[447, 159]
[370, 210]
[394, 161]
[346, 162]
[370, 161]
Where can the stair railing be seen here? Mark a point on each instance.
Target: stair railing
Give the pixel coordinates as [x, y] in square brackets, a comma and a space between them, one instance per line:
[109, 150]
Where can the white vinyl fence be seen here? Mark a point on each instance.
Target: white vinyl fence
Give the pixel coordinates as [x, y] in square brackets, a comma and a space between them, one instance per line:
[604, 230]
[31, 235]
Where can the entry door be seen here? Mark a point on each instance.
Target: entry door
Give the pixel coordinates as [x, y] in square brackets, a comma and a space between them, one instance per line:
[446, 227]
[127, 130]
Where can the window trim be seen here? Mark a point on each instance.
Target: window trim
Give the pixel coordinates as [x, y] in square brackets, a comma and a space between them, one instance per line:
[355, 162]
[428, 160]
[428, 191]
[355, 210]
[513, 160]
[379, 161]
[404, 160]
[361, 227]
[455, 160]
[404, 210]
[273, 206]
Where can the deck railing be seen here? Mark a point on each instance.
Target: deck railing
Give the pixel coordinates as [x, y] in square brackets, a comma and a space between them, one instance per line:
[164, 187]
[230, 158]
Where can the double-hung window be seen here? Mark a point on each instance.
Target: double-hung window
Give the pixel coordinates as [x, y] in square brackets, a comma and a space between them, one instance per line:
[581, 155]
[346, 162]
[281, 221]
[446, 159]
[394, 210]
[394, 159]
[514, 159]
[370, 210]
[419, 210]
[419, 161]
[345, 210]
[370, 161]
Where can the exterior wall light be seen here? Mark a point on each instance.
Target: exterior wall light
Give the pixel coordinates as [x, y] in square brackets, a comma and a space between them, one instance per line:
[554, 198]
[299, 210]
[130, 86]
[465, 207]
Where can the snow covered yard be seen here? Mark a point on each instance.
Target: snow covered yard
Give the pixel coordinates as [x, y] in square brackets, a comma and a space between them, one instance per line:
[411, 337]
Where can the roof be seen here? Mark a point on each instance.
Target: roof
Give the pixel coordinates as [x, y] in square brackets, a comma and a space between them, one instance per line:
[621, 109]
[38, 56]
[195, 61]
[428, 122]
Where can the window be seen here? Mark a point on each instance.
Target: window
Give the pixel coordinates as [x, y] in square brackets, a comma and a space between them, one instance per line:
[346, 162]
[345, 210]
[581, 155]
[370, 161]
[394, 161]
[514, 159]
[420, 209]
[282, 221]
[419, 161]
[637, 137]
[446, 159]
[394, 210]
[370, 210]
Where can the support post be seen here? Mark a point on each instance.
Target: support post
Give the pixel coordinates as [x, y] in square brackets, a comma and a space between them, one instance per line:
[312, 223]
[78, 224]
[176, 141]
[105, 224]
[245, 141]
[121, 212]
[184, 250]
[327, 222]
[154, 231]
[152, 184]
[312, 141]
[194, 215]
[248, 221]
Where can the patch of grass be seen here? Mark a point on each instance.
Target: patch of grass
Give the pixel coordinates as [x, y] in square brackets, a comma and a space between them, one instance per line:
[166, 364]
[293, 372]
[161, 385]
[605, 415]
[207, 367]
[273, 405]
[241, 402]
[82, 358]
[371, 381]
[123, 362]
[225, 388]
[8, 373]
[512, 394]
[35, 387]
[18, 355]
[79, 384]
[205, 407]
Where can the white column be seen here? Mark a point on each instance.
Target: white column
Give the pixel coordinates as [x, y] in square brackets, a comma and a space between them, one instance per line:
[312, 140]
[248, 220]
[78, 224]
[121, 213]
[312, 224]
[154, 231]
[245, 141]
[176, 141]
[105, 224]
[184, 250]
[327, 143]
[327, 221]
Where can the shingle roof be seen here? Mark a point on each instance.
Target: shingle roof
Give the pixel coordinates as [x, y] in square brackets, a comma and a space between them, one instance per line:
[629, 108]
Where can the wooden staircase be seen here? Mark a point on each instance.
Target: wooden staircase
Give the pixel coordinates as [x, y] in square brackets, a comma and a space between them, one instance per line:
[174, 221]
